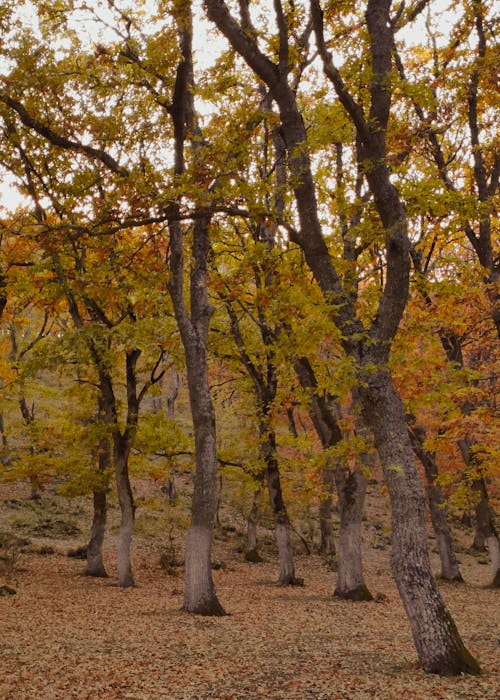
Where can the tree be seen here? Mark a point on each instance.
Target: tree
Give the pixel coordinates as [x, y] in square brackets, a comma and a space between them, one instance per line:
[199, 591]
[438, 643]
[465, 169]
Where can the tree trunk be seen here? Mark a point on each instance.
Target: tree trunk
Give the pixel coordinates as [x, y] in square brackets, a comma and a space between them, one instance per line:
[193, 323]
[199, 591]
[251, 550]
[127, 516]
[485, 524]
[95, 564]
[485, 521]
[35, 490]
[351, 491]
[439, 646]
[478, 544]
[351, 488]
[282, 522]
[327, 533]
[450, 570]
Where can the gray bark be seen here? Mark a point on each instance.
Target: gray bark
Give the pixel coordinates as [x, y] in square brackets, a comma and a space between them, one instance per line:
[127, 517]
[251, 548]
[327, 532]
[436, 638]
[282, 521]
[199, 590]
[485, 525]
[450, 570]
[95, 563]
[351, 491]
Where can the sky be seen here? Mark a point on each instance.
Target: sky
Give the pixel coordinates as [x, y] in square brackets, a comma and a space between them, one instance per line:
[206, 44]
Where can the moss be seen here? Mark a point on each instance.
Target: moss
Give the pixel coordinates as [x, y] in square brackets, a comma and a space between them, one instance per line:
[458, 659]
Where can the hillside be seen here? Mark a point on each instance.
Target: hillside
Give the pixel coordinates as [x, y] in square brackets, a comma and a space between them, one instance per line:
[65, 636]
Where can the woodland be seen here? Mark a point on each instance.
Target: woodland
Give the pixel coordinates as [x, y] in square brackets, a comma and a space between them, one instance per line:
[249, 349]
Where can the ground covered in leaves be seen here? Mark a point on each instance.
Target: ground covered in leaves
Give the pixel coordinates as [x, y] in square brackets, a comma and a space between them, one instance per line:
[64, 636]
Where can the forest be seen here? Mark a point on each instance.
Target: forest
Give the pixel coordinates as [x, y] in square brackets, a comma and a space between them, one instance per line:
[249, 349]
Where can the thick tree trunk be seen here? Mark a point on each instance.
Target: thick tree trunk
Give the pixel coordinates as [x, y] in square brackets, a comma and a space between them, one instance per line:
[450, 570]
[351, 487]
[95, 564]
[439, 646]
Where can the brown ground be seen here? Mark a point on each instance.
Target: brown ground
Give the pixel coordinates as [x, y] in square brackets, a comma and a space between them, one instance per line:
[64, 636]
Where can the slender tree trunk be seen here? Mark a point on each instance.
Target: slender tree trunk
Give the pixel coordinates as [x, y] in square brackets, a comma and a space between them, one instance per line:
[478, 543]
[351, 491]
[2, 431]
[327, 533]
[95, 564]
[193, 323]
[485, 524]
[199, 591]
[252, 551]
[485, 520]
[450, 570]
[282, 521]
[127, 516]
[439, 646]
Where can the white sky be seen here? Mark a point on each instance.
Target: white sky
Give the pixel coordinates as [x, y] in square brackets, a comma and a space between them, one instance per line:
[207, 46]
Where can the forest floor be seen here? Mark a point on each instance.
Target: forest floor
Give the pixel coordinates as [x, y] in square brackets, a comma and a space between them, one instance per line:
[64, 636]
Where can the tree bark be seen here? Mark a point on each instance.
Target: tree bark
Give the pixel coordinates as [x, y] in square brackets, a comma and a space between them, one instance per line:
[127, 516]
[485, 524]
[327, 533]
[95, 564]
[199, 590]
[351, 492]
[450, 570]
[282, 521]
[351, 489]
[485, 520]
[439, 646]
[251, 549]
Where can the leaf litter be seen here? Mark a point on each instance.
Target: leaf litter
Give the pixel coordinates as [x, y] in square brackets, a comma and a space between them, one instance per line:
[64, 636]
